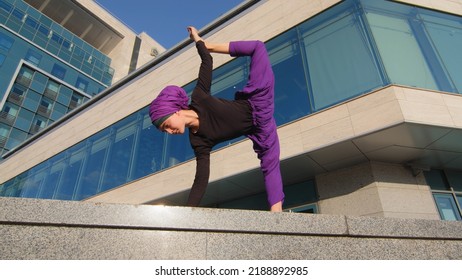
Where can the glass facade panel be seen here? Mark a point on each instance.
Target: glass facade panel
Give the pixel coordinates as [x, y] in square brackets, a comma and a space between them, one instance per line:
[454, 179]
[96, 157]
[404, 61]
[5, 42]
[447, 207]
[446, 187]
[425, 43]
[292, 98]
[148, 158]
[122, 141]
[436, 180]
[338, 71]
[446, 35]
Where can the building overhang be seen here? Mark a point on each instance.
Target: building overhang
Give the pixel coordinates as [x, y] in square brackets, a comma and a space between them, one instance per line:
[80, 21]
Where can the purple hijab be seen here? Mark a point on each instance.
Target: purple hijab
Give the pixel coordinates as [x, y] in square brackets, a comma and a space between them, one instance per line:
[169, 101]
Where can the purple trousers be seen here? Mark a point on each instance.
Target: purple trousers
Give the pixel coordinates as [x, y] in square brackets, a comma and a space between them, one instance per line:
[259, 91]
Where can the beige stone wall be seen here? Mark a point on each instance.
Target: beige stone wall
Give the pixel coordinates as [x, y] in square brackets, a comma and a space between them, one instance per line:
[376, 189]
[147, 44]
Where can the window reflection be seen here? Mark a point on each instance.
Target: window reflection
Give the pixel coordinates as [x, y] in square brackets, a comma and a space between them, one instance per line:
[291, 89]
[447, 207]
[340, 62]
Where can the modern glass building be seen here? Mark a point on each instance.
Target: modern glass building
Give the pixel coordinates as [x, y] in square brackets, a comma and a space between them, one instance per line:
[46, 69]
[367, 103]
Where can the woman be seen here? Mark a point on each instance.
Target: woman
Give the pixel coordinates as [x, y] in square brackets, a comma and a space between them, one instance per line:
[213, 120]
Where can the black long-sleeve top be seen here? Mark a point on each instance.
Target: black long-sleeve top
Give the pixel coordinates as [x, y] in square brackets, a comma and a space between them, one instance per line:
[219, 120]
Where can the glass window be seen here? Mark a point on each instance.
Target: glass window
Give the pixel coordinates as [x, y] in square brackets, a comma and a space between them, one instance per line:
[32, 23]
[25, 76]
[43, 30]
[5, 42]
[177, 150]
[399, 48]
[53, 179]
[94, 169]
[18, 14]
[11, 109]
[46, 103]
[446, 34]
[310, 208]
[53, 86]
[18, 89]
[32, 186]
[37, 124]
[4, 130]
[33, 57]
[71, 173]
[291, 91]
[447, 207]
[446, 186]
[300, 194]
[81, 84]
[118, 166]
[436, 180]
[32, 100]
[454, 179]
[340, 62]
[58, 71]
[24, 119]
[76, 100]
[2, 59]
[5, 6]
[40, 122]
[150, 144]
[14, 141]
[65, 95]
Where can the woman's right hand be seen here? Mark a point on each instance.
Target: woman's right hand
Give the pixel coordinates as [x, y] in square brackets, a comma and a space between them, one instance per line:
[194, 34]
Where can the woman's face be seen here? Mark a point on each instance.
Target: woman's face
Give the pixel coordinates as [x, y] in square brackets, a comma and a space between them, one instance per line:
[175, 124]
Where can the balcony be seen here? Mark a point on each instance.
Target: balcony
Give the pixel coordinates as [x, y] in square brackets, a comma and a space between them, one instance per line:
[7, 118]
[34, 129]
[50, 94]
[44, 111]
[15, 98]
[2, 141]
[23, 80]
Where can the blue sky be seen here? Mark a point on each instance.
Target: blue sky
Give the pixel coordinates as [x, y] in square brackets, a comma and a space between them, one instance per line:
[166, 20]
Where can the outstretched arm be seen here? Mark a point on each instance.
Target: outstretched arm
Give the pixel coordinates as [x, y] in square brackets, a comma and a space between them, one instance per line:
[212, 47]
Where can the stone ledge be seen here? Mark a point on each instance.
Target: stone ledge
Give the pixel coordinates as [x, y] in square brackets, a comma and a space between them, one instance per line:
[50, 229]
[87, 214]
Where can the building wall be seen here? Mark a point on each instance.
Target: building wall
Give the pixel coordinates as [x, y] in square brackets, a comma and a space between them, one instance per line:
[376, 189]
